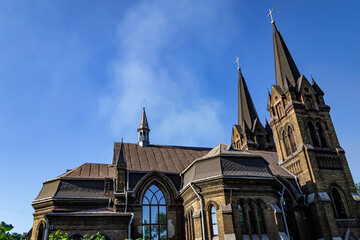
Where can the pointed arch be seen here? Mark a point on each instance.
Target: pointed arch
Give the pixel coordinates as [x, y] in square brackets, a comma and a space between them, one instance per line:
[252, 217]
[154, 213]
[313, 135]
[41, 231]
[321, 135]
[214, 230]
[338, 201]
[159, 179]
[286, 142]
[292, 139]
[242, 215]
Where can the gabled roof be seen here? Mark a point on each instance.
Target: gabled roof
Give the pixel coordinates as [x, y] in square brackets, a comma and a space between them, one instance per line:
[286, 71]
[159, 157]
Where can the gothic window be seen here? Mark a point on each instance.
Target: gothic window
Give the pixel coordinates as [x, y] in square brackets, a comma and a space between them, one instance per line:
[338, 203]
[286, 143]
[213, 222]
[321, 135]
[41, 231]
[313, 135]
[309, 103]
[251, 219]
[260, 219]
[292, 139]
[154, 214]
[242, 218]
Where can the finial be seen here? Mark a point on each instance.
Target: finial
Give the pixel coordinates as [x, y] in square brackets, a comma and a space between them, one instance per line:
[237, 61]
[122, 140]
[270, 15]
[143, 102]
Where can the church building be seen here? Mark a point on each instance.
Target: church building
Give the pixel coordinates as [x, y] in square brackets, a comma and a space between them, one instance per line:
[286, 180]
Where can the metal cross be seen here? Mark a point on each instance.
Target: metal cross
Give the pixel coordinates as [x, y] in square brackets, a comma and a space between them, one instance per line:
[237, 61]
[270, 15]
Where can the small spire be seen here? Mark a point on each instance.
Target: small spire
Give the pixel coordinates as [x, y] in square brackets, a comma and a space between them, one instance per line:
[143, 130]
[269, 101]
[316, 87]
[121, 162]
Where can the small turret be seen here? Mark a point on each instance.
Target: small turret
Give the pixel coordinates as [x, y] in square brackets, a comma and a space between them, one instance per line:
[143, 130]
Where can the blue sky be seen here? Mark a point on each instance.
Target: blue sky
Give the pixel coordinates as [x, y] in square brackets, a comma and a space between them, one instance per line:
[73, 76]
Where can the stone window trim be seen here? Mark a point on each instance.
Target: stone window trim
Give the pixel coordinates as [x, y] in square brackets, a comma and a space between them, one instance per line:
[40, 229]
[340, 199]
[213, 221]
[317, 132]
[154, 204]
[161, 181]
[251, 222]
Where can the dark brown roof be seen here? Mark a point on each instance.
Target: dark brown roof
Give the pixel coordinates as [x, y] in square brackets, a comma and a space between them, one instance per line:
[159, 157]
[91, 170]
[272, 159]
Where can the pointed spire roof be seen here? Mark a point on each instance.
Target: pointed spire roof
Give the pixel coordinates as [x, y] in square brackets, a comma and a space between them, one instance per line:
[286, 71]
[121, 158]
[144, 122]
[268, 101]
[316, 87]
[246, 109]
[268, 127]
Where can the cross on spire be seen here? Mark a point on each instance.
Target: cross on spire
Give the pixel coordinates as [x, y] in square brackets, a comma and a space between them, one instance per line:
[237, 61]
[270, 15]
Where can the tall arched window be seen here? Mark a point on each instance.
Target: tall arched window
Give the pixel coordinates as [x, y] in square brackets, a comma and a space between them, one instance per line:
[154, 214]
[41, 230]
[321, 134]
[292, 139]
[213, 222]
[313, 135]
[260, 219]
[242, 218]
[251, 219]
[338, 203]
[286, 143]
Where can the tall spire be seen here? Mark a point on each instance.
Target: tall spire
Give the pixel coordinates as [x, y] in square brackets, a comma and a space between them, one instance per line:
[246, 109]
[143, 138]
[286, 71]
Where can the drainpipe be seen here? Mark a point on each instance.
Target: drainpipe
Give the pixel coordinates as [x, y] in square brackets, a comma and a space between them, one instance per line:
[129, 229]
[282, 207]
[202, 211]
[47, 226]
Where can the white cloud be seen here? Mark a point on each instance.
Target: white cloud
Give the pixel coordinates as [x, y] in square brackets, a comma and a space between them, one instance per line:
[153, 37]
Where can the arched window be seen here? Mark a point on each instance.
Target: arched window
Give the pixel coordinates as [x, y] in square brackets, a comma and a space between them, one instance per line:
[41, 230]
[321, 135]
[338, 203]
[189, 224]
[292, 139]
[213, 222]
[286, 143]
[251, 219]
[260, 219]
[154, 214]
[313, 135]
[242, 218]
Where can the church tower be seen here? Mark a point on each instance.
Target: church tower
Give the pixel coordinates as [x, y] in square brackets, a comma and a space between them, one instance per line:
[307, 145]
[249, 133]
[143, 130]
